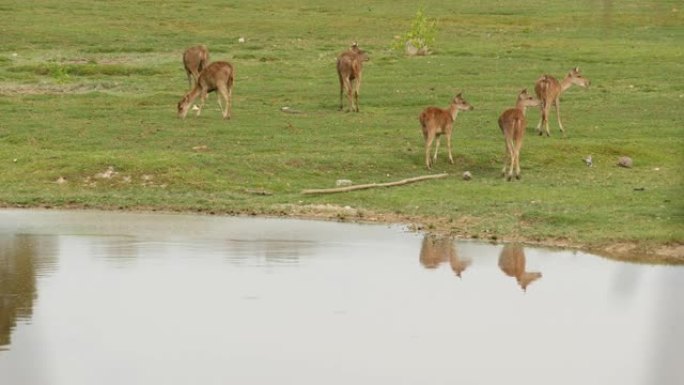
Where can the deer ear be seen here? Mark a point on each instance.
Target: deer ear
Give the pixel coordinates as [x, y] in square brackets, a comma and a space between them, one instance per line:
[524, 91]
[576, 69]
[458, 95]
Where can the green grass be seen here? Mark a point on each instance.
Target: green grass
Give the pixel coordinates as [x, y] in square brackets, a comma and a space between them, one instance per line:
[99, 88]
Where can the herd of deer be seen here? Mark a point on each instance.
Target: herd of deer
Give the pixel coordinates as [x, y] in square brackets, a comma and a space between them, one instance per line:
[205, 77]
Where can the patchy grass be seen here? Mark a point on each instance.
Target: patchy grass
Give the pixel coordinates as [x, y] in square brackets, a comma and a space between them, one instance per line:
[100, 88]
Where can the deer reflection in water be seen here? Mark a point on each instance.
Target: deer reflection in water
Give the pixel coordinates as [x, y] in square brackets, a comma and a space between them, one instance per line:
[438, 249]
[512, 263]
[22, 259]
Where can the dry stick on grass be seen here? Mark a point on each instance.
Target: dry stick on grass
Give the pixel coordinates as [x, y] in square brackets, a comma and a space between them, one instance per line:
[371, 185]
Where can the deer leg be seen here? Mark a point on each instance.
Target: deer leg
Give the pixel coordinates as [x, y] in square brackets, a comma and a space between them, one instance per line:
[203, 98]
[541, 118]
[511, 156]
[434, 158]
[341, 90]
[451, 157]
[223, 91]
[190, 79]
[348, 90]
[428, 142]
[547, 110]
[557, 104]
[518, 146]
[357, 89]
[219, 103]
[506, 156]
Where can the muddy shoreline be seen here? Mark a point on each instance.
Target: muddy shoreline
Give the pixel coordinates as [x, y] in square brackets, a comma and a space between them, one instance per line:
[623, 250]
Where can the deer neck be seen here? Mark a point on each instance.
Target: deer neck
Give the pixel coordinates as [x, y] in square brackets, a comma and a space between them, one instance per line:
[565, 83]
[453, 111]
[194, 92]
[522, 107]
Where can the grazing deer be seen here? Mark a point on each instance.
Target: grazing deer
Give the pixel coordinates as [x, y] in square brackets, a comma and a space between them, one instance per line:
[549, 90]
[349, 71]
[512, 263]
[512, 123]
[217, 76]
[436, 121]
[195, 59]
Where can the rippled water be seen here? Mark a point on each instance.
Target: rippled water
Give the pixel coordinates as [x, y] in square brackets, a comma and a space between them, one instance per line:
[114, 298]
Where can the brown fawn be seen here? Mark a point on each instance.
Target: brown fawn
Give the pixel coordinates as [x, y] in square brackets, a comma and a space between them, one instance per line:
[549, 90]
[436, 121]
[349, 72]
[218, 76]
[195, 59]
[512, 123]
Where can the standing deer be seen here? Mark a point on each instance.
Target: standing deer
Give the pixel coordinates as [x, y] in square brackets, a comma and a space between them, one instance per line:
[349, 71]
[195, 59]
[217, 76]
[549, 90]
[436, 121]
[512, 123]
[512, 263]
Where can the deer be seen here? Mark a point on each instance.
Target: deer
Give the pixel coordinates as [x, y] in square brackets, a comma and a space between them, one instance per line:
[512, 263]
[436, 121]
[512, 123]
[195, 59]
[218, 76]
[349, 72]
[549, 90]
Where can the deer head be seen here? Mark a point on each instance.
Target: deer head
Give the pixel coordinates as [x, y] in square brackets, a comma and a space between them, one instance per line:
[461, 103]
[527, 100]
[577, 79]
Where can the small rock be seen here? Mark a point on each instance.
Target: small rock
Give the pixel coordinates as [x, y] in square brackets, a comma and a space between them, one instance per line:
[467, 175]
[588, 161]
[200, 148]
[625, 161]
[343, 183]
[14, 160]
[289, 110]
[60, 180]
[241, 40]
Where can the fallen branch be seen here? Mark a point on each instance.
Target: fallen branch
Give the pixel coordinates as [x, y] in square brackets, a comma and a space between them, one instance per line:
[371, 185]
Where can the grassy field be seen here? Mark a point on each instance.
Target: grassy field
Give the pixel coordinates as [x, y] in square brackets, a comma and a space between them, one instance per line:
[85, 85]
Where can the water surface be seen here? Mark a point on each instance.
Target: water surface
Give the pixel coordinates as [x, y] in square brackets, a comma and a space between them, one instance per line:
[117, 298]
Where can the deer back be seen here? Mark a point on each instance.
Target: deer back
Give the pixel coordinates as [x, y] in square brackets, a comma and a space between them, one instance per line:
[437, 118]
[219, 72]
[547, 87]
[512, 122]
[196, 58]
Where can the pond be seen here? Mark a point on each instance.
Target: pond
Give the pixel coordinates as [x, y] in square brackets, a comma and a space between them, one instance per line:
[138, 298]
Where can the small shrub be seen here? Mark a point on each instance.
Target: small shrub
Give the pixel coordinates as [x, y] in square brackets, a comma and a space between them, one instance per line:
[421, 36]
